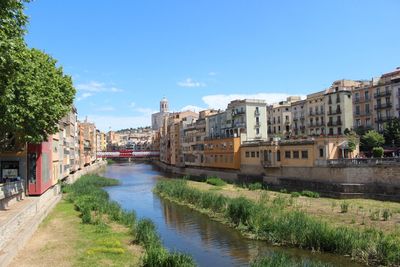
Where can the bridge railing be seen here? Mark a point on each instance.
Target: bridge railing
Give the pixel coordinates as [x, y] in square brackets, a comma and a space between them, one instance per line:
[128, 154]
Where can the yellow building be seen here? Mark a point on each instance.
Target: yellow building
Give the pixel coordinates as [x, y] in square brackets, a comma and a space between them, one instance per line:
[294, 153]
[222, 153]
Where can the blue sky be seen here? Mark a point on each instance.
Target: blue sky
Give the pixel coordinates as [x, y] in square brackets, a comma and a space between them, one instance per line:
[124, 55]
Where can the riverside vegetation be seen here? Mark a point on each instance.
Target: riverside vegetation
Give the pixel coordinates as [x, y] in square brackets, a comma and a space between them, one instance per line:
[271, 220]
[96, 209]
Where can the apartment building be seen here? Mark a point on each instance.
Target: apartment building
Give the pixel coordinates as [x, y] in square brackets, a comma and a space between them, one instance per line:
[316, 113]
[88, 143]
[170, 141]
[339, 106]
[294, 153]
[299, 118]
[363, 105]
[246, 119]
[386, 98]
[280, 117]
[193, 137]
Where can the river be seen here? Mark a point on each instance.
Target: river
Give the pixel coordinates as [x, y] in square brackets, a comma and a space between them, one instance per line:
[182, 229]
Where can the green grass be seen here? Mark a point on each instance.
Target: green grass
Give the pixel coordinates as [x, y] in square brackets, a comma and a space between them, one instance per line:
[110, 161]
[283, 260]
[94, 206]
[215, 181]
[271, 221]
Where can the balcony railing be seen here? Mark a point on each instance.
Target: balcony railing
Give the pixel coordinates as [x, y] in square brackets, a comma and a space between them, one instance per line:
[257, 113]
[362, 162]
[334, 123]
[365, 113]
[334, 112]
[383, 119]
[382, 94]
[383, 106]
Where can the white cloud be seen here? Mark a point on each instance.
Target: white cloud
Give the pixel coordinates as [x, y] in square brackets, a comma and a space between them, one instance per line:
[145, 111]
[212, 73]
[105, 108]
[118, 122]
[190, 83]
[221, 101]
[97, 87]
[83, 96]
[192, 108]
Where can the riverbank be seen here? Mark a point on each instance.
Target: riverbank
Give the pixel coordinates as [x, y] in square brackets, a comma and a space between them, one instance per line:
[279, 221]
[95, 231]
[62, 240]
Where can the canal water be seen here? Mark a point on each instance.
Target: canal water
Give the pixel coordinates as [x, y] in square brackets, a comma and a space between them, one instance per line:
[182, 229]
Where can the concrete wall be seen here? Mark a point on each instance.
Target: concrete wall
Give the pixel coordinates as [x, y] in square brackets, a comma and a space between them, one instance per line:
[20, 222]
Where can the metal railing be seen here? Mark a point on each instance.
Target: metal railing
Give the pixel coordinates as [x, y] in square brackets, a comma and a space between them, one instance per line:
[363, 162]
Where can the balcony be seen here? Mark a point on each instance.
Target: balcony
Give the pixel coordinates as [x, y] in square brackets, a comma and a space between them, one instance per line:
[256, 125]
[361, 99]
[383, 106]
[383, 119]
[295, 119]
[311, 113]
[334, 123]
[365, 113]
[382, 94]
[334, 112]
[257, 113]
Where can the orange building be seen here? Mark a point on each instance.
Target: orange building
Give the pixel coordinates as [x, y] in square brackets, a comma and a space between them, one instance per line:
[222, 153]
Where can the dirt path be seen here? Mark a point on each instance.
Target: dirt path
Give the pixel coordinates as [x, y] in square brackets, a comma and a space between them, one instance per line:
[53, 243]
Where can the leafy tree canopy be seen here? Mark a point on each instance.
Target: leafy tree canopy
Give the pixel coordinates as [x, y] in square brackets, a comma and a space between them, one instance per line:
[372, 139]
[34, 93]
[392, 132]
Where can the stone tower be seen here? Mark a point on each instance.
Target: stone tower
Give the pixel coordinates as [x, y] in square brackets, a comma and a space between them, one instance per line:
[164, 105]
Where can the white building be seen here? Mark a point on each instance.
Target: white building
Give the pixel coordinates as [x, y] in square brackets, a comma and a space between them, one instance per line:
[158, 118]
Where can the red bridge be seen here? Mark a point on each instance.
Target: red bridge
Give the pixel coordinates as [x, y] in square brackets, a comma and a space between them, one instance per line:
[128, 154]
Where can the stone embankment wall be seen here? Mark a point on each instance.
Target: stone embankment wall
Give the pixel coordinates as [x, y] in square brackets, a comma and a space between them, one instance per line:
[20, 222]
[380, 182]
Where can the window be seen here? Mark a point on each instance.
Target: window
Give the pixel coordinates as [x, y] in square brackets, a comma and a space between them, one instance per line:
[304, 154]
[257, 131]
[321, 152]
[253, 154]
[247, 154]
[339, 130]
[366, 95]
[278, 155]
[367, 108]
[287, 154]
[295, 154]
[258, 154]
[357, 110]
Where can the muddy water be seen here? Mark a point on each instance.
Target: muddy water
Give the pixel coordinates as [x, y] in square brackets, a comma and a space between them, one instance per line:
[209, 242]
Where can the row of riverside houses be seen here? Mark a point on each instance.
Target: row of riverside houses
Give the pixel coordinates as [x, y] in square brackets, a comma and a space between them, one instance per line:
[294, 132]
[32, 169]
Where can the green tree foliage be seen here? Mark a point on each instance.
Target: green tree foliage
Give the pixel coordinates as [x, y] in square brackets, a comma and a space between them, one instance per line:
[377, 152]
[372, 139]
[392, 132]
[37, 99]
[34, 93]
[352, 140]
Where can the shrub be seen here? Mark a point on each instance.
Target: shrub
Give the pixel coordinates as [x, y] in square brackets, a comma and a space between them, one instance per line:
[238, 210]
[375, 215]
[307, 193]
[377, 152]
[387, 214]
[279, 259]
[255, 186]
[284, 190]
[146, 233]
[344, 207]
[295, 194]
[215, 181]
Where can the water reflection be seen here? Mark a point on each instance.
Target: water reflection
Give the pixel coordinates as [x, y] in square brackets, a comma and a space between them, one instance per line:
[209, 242]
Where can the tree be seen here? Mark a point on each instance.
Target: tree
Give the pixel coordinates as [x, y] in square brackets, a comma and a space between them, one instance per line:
[391, 132]
[372, 139]
[377, 152]
[37, 98]
[34, 92]
[352, 140]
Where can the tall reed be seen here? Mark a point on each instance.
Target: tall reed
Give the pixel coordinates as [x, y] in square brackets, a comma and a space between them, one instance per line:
[269, 220]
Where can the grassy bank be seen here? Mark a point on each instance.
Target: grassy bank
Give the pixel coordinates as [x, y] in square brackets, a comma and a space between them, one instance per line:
[282, 260]
[270, 219]
[96, 209]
